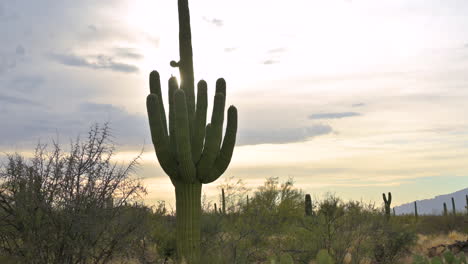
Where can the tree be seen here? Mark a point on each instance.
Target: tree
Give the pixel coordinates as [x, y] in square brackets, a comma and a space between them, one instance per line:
[69, 207]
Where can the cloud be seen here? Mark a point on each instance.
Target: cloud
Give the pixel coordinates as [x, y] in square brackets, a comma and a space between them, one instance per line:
[5, 15]
[20, 50]
[7, 62]
[269, 62]
[333, 115]
[277, 50]
[92, 28]
[42, 123]
[96, 62]
[26, 83]
[358, 105]
[128, 53]
[229, 49]
[281, 136]
[6, 99]
[215, 21]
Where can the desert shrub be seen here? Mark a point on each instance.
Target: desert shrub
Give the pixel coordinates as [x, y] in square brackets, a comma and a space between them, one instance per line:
[69, 207]
[392, 240]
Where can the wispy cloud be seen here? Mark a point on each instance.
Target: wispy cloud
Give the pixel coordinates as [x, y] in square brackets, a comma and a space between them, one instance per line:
[26, 83]
[229, 49]
[333, 115]
[358, 105]
[6, 99]
[215, 21]
[281, 136]
[269, 62]
[96, 62]
[128, 53]
[277, 50]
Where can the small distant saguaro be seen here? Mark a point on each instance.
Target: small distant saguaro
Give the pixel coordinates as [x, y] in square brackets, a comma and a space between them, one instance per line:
[454, 209]
[387, 203]
[445, 209]
[415, 209]
[308, 205]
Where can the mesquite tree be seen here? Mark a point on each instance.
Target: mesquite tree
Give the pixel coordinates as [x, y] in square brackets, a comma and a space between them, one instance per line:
[190, 151]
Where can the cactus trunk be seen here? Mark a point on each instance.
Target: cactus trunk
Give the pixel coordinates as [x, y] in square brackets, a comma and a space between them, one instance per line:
[445, 209]
[188, 214]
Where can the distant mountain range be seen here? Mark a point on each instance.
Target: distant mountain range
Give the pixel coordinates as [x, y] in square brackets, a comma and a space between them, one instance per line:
[435, 205]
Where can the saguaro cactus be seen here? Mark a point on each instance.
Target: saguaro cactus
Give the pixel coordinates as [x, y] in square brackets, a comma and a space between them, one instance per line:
[308, 205]
[466, 196]
[454, 210]
[223, 201]
[445, 209]
[190, 153]
[387, 203]
[415, 209]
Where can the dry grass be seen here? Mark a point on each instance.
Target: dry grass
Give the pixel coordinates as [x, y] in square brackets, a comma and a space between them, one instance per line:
[426, 242]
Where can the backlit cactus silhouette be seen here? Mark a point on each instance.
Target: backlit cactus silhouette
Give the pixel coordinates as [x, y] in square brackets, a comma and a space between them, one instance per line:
[189, 151]
[445, 209]
[387, 203]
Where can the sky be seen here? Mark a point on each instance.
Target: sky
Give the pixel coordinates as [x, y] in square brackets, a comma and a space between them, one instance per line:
[351, 97]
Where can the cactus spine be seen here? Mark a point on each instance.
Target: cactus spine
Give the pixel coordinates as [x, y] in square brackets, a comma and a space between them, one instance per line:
[387, 203]
[188, 152]
[454, 210]
[445, 209]
[415, 209]
[308, 205]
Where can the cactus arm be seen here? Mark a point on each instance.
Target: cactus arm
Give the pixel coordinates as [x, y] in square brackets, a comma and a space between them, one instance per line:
[186, 57]
[160, 140]
[221, 86]
[173, 86]
[224, 158]
[184, 152]
[200, 121]
[384, 198]
[217, 119]
[155, 88]
[389, 198]
[213, 138]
